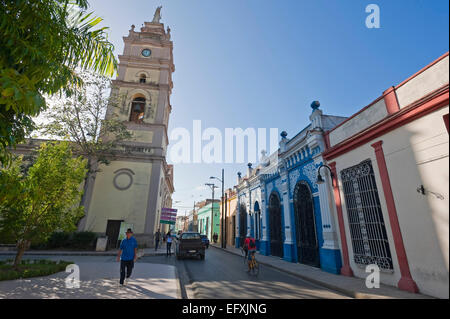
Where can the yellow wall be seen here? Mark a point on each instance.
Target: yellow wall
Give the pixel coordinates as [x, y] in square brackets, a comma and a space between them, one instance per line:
[110, 203]
[142, 136]
[133, 75]
[231, 209]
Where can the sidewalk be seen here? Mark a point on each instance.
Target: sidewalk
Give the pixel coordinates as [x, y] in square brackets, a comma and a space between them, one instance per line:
[143, 252]
[351, 286]
[99, 280]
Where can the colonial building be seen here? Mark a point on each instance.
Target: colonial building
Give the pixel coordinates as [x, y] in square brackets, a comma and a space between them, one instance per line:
[137, 183]
[209, 219]
[180, 223]
[390, 171]
[281, 205]
[230, 211]
[250, 217]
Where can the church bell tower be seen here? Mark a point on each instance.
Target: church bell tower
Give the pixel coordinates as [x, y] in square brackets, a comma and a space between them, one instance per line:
[135, 186]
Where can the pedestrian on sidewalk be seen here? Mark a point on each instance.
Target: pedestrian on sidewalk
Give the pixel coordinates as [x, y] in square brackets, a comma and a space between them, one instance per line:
[157, 239]
[169, 244]
[127, 256]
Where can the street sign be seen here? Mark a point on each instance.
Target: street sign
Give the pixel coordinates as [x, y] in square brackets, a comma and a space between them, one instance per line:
[167, 222]
[168, 216]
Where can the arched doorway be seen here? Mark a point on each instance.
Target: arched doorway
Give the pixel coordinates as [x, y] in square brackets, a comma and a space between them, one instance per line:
[242, 224]
[305, 225]
[276, 237]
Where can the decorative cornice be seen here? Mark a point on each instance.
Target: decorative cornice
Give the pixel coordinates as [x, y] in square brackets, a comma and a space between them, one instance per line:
[33, 144]
[137, 85]
[143, 126]
[156, 63]
[163, 43]
[427, 104]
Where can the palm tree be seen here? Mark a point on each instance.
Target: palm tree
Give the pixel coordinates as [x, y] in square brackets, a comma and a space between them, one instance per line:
[43, 45]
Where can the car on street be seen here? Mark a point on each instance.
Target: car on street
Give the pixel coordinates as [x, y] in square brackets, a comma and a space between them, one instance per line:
[190, 244]
[205, 241]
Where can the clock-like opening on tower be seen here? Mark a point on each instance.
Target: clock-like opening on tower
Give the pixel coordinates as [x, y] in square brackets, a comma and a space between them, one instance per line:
[137, 110]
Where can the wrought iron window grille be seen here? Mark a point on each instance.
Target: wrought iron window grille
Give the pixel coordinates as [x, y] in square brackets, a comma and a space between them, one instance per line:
[367, 228]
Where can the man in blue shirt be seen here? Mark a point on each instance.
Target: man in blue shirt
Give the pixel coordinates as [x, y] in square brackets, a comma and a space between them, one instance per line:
[127, 255]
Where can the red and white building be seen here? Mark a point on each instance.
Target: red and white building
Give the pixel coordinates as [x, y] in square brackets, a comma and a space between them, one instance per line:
[390, 164]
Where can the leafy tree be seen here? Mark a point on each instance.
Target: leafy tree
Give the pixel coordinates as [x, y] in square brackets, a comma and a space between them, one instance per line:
[81, 117]
[42, 43]
[35, 204]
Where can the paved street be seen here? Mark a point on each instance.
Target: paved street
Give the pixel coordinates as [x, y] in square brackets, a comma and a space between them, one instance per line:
[223, 275]
[220, 275]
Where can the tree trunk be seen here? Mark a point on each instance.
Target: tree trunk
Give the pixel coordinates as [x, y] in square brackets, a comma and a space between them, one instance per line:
[85, 188]
[21, 247]
[92, 166]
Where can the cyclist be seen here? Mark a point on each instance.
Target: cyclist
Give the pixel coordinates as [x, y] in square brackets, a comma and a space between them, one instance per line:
[250, 248]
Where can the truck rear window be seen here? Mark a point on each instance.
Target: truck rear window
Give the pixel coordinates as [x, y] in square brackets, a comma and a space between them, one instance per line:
[190, 236]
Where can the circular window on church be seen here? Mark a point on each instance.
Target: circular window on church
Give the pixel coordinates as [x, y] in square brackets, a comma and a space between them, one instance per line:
[123, 179]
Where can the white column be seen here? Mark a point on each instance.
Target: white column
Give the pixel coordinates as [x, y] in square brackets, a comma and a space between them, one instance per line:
[249, 210]
[238, 215]
[263, 208]
[286, 209]
[330, 240]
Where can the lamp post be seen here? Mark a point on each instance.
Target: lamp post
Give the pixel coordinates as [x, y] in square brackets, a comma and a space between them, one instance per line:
[212, 186]
[194, 219]
[320, 180]
[194, 222]
[224, 218]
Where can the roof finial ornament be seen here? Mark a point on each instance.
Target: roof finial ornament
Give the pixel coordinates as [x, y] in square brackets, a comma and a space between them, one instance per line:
[157, 15]
[315, 105]
[265, 161]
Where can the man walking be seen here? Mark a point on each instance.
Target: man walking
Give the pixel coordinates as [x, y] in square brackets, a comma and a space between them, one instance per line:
[127, 256]
[157, 239]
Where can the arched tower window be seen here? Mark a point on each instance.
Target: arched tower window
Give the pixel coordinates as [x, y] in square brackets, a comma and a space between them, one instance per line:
[137, 110]
[142, 78]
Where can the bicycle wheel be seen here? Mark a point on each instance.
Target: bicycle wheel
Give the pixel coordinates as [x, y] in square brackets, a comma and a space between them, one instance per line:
[255, 268]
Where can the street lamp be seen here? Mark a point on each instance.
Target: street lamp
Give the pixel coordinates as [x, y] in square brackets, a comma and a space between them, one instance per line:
[320, 179]
[224, 219]
[212, 186]
[194, 216]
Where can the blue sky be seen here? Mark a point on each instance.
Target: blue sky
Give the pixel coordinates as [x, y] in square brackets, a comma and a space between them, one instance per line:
[260, 63]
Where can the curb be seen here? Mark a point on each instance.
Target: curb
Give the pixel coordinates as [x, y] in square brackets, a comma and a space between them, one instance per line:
[13, 253]
[349, 293]
[179, 293]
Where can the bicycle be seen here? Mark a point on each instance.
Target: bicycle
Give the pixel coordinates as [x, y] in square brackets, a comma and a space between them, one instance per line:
[254, 266]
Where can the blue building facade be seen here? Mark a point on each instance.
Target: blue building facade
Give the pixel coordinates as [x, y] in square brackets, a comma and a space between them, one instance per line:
[295, 218]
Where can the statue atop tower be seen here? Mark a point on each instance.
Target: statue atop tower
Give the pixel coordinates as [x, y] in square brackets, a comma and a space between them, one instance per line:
[157, 15]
